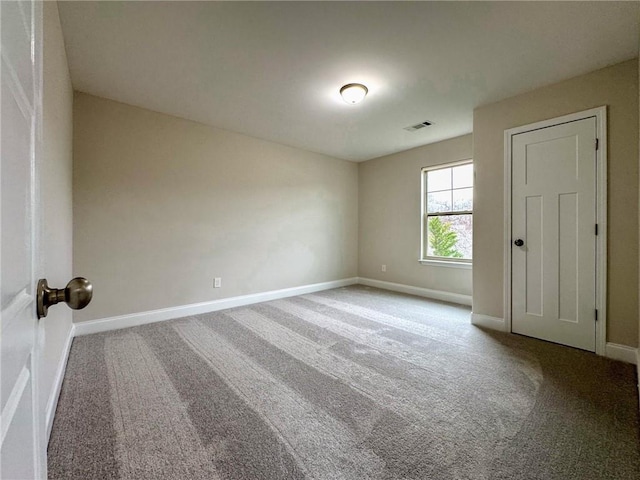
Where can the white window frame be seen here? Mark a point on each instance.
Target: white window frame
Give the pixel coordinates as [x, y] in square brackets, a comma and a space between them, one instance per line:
[465, 263]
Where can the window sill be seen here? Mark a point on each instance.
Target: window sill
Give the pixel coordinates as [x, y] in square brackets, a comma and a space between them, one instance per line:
[447, 264]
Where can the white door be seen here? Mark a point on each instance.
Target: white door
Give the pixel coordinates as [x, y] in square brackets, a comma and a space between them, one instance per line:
[553, 253]
[22, 448]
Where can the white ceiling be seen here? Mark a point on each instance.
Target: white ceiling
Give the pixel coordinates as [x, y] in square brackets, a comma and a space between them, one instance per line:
[273, 69]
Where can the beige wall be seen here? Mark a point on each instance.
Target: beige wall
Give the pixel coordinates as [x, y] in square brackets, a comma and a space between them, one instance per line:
[616, 87]
[56, 174]
[389, 218]
[163, 205]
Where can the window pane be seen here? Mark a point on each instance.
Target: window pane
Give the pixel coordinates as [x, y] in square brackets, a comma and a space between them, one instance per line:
[438, 180]
[463, 176]
[439, 202]
[463, 199]
[450, 236]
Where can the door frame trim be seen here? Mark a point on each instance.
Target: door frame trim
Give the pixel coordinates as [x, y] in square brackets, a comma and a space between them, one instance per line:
[600, 114]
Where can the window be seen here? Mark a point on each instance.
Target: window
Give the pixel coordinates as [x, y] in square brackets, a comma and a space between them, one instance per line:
[447, 213]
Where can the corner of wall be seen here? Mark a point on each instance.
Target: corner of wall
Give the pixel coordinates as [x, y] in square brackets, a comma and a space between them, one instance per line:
[55, 165]
[54, 393]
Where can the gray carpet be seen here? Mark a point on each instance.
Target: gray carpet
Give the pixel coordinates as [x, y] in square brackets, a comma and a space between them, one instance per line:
[353, 383]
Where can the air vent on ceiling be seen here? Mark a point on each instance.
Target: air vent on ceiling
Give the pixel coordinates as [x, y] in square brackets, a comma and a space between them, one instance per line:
[418, 126]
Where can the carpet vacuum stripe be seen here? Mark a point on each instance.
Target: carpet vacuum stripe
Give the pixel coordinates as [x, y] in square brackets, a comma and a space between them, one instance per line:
[150, 418]
[320, 442]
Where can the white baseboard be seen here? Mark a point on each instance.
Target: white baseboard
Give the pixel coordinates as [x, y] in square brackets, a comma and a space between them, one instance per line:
[52, 403]
[486, 321]
[422, 292]
[621, 352]
[142, 318]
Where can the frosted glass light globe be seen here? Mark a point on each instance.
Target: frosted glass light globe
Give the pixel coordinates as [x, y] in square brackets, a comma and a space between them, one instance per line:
[353, 92]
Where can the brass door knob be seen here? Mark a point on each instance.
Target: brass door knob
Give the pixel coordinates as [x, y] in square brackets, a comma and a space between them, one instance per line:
[77, 294]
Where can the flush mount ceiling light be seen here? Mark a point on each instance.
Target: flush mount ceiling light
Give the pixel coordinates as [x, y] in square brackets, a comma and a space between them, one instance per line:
[353, 92]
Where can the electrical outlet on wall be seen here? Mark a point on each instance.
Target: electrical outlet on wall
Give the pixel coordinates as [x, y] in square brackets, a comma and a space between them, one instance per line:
[384, 268]
[217, 282]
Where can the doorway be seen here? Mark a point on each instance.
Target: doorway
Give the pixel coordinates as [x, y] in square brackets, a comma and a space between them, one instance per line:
[555, 230]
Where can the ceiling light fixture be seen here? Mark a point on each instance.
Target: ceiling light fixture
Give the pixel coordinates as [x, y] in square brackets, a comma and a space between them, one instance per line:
[353, 92]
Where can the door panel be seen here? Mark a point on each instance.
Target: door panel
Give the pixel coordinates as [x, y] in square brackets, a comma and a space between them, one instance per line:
[554, 212]
[22, 449]
[16, 47]
[568, 257]
[534, 281]
[18, 446]
[16, 189]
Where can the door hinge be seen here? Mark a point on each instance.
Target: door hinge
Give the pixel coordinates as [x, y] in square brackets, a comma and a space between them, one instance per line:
[596, 229]
[596, 314]
[597, 143]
